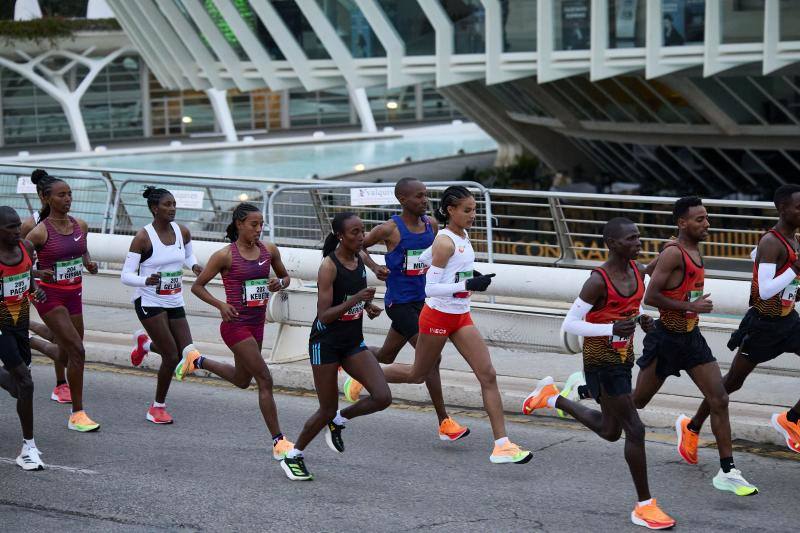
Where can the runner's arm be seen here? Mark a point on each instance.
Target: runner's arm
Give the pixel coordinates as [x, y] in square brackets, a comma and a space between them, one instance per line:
[130, 269]
[35, 290]
[189, 259]
[325, 312]
[221, 259]
[90, 265]
[282, 274]
[440, 253]
[669, 261]
[379, 233]
[768, 255]
[591, 294]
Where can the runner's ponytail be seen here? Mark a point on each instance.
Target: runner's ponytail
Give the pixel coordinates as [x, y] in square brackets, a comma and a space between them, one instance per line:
[44, 183]
[337, 227]
[451, 196]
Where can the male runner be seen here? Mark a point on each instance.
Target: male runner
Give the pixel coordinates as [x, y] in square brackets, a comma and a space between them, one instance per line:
[770, 328]
[406, 236]
[18, 286]
[605, 314]
[676, 289]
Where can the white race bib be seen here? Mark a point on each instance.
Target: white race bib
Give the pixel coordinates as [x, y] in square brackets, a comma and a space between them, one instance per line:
[789, 294]
[355, 312]
[16, 287]
[69, 272]
[462, 276]
[255, 292]
[692, 297]
[413, 266]
[170, 282]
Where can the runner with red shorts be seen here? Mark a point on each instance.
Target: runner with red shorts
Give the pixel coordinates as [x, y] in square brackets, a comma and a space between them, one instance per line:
[60, 242]
[448, 285]
[244, 265]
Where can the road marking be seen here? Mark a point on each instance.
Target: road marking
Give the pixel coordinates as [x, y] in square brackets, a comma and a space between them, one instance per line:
[47, 466]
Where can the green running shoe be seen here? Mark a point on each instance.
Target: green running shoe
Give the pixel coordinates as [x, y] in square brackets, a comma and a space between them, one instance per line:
[570, 391]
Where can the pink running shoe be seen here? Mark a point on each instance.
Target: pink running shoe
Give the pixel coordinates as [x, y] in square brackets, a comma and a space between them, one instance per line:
[61, 394]
[158, 415]
[137, 354]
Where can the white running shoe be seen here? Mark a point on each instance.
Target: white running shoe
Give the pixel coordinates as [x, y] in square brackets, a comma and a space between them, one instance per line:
[570, 390]
[29, 459]
[734, 482]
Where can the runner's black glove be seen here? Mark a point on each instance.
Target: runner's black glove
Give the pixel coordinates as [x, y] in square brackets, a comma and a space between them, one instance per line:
[479, 283]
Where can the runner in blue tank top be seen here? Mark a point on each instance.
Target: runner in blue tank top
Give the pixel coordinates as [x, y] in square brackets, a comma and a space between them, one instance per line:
[406, 236]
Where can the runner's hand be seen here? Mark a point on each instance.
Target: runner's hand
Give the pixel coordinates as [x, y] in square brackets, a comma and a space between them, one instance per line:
[480, 283]
[373, 311]
[647, 323]
[153, 279]
[365, 295]
[45, 275]
[91, 266]
[228, 312]
[381, 272]
[701, 305]
[624, 328]
[274, 285]
[39, 295]
[197, 269]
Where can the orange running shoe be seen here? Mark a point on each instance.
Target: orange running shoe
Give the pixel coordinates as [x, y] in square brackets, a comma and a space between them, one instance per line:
[80, 421]
[451, 430]
[538, 398]
[281, 448]
[186, 365]
[61, 394]
[510, 453]
[352, 389]
[158, 415]
[687, 440]
[789, 430]
[651, 516]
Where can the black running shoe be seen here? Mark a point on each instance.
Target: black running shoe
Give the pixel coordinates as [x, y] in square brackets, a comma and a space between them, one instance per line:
[334, 437]
[295, 469]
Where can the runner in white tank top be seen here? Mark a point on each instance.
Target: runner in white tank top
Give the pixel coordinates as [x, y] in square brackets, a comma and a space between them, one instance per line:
[448, 284]
[158, 299]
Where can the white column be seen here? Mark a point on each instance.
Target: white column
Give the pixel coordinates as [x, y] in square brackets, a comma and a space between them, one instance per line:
[361, 104]
[222, 112]
[72, 110]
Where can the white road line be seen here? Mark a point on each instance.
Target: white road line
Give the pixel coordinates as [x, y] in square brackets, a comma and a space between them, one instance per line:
[48, 466]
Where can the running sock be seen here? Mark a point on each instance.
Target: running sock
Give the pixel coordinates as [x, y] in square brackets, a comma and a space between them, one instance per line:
[147, 345]
[339, 420]
[28, 443]
[583, 392]
[294, 452]
[276, 438]
[646, 502]
[156, 404]
[199, 361]
[60, 382]
[551, 401]
[792, 415]
[502, 441]
[726, 463]
[692, 427]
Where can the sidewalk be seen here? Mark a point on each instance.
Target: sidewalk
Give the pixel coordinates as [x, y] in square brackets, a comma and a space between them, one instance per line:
[108, 340]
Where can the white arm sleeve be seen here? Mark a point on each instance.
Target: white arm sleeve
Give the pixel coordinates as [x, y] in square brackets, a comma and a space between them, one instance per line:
[768, 284]
[189, 258]
[129, 271]
[574, 322]
[435, 287]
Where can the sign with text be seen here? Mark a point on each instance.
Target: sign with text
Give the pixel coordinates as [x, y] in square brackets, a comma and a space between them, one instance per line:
[372, 196]
[188, 199]
[25, 185]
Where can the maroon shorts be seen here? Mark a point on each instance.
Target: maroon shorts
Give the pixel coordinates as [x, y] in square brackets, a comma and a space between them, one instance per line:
[235, 332]
[58, 297]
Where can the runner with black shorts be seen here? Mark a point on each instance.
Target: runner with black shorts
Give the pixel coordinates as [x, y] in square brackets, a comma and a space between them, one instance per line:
[771, 327]
[337, 340]
[60, 243]
[676, 289]
[244, 266]
[449, 283]
[605, 314]
[18, 287]
[154, 265]
[406, 236]
[43, 339]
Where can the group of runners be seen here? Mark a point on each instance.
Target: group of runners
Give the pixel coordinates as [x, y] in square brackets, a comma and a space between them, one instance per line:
[430, 275]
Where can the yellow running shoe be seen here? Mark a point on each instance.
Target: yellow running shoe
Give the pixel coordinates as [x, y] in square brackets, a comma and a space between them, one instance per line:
[186, 365]
[790, 431]
[538, 398]
[79, 421]
[651, 516]
[570, 390]
[510, 453]
[351, 389]
[281, 448]
[451, 430]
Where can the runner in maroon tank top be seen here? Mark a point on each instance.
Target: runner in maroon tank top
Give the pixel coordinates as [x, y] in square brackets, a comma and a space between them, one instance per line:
[60, 242]
[245, 266]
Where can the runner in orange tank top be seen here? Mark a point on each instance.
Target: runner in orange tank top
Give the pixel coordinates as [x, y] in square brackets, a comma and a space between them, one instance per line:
[676, 289]
[605, 314]
[772, 326]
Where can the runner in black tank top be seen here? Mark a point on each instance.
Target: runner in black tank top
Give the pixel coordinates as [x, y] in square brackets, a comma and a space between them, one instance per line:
[772, 326]
[337, 339]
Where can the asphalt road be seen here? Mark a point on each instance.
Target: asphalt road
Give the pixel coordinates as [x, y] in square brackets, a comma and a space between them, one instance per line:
[212, 470]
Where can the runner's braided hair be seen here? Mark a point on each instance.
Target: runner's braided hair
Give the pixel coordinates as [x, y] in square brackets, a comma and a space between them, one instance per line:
[44, 184]
[240, 213]
[154, 196]
[337, 228]
[451, 196]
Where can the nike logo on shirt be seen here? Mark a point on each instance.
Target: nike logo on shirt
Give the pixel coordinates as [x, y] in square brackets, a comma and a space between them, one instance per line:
[76, 239]
[262, 262]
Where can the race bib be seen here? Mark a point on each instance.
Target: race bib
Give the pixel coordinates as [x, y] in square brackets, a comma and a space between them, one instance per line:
[620, 344]
[789, 294]
[355, 312]
[255, 292]
[170, 283]
[413, 266]
[16, 287]
[691, 297]
[69, 272]
[462, 276]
